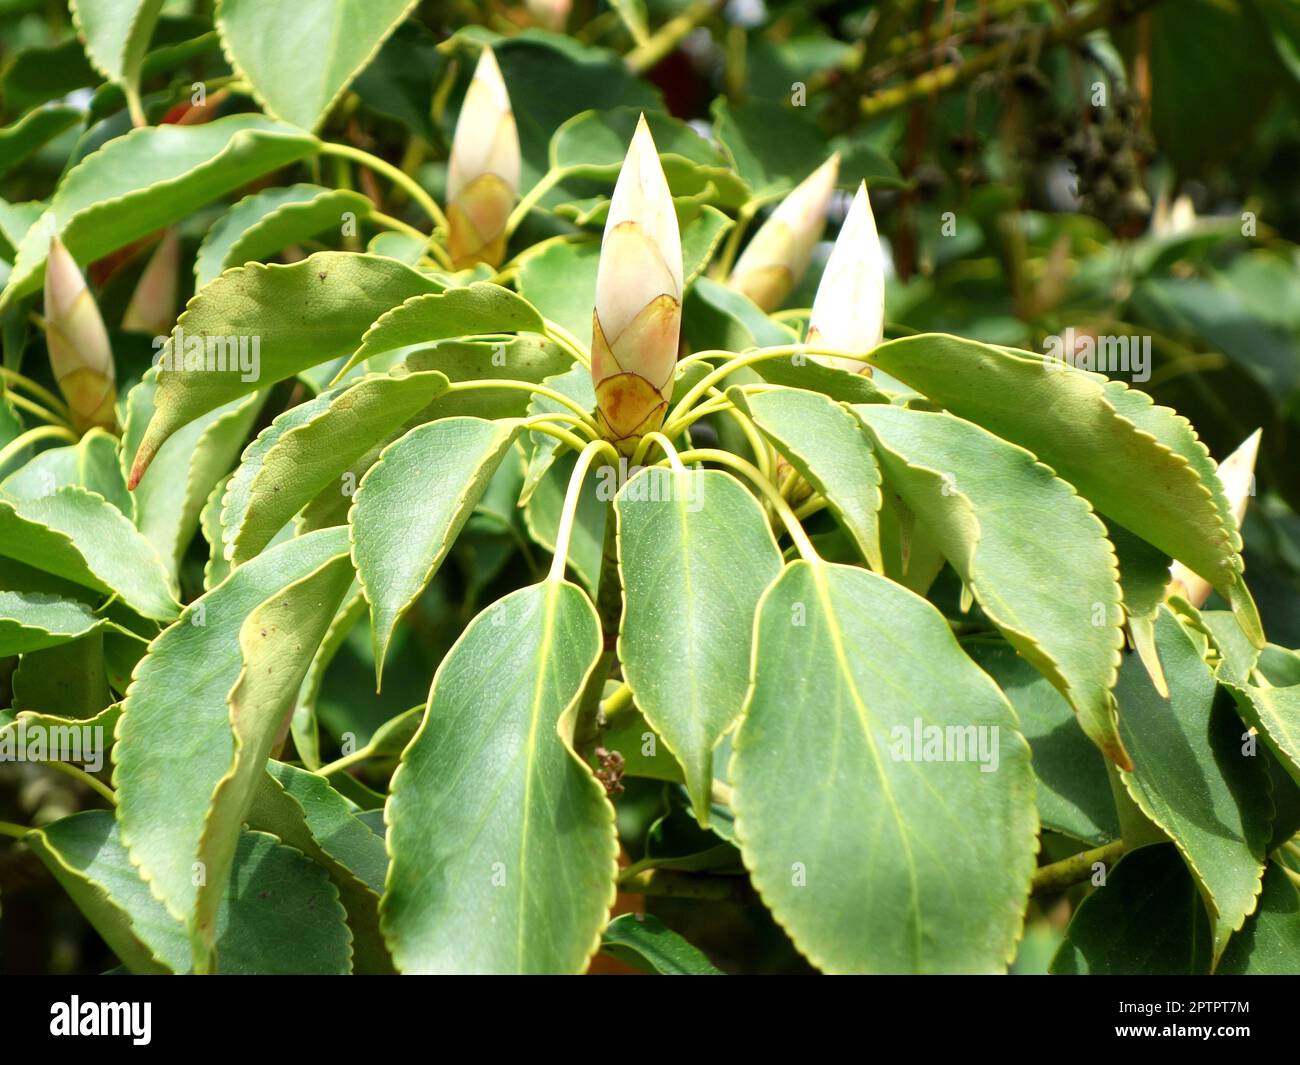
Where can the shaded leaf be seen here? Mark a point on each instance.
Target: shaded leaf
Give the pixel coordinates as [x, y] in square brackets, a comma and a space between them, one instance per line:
[1147, 920]
[641, 939]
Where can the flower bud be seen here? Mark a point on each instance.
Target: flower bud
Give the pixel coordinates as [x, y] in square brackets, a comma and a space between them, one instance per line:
[848, 312]
[1237, 472]
[483, 174]
[153, 304]
[80, 355]
[550, 14]
[777, 256]
[638, 313]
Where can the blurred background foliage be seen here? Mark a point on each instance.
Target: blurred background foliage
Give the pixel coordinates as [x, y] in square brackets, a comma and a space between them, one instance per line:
[1114, 167]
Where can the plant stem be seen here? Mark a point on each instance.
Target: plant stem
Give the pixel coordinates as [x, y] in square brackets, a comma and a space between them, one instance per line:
[609, 608]
[32, 407]
[134, 107]
[396, 224]
[16, 380]
[722, 267]
[529, 386]
[570, 512]
[734, 362]
[668, 36]
[381, 166]
[619, 701]
[769, 490]
[1073, 870]
[533, 196]
[346, 762]
[41, 432]
[666, 882]
[8, 828]
[1041, 36]
[665, 445]
[79, 774]
[567, 341]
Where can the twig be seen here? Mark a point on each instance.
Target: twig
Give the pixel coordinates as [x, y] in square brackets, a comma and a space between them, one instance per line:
[1073, 870]
[1042, 35]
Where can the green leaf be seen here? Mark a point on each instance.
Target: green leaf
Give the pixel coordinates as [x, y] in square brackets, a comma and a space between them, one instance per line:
[147, 179]
[31, 621]
[216, 569]
[306, 813]
[1269, 942]
[1208, 94]
[306, 457]
[410, 507]
[277, 642]
[1147, 920]
[528, 357]
[799, 371]
[1193, 779]
[92, 463]
[574, 383]
[772, 147]
[717, 317]
[170, 496]
[560, 281]
[303, 725]
[36, 128]
[872, 857]
[36, 75]
[508, 868]
[1143, 581]
[300, 57]
[591, 146]
[78, 535]
[69, 679]
[261, 224]
[825, 443]
[695, 554]
[1106, 439]
[641, 939]
[470, 311]
[175, 741]
[301, 315]
[1274, 712]
[116, 34]
[1032, 552]
[280, 914]
[551, 78]
[1073, 792]
[633, 14]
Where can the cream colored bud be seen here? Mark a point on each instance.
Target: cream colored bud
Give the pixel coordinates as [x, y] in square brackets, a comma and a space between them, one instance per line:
[1237, 474]
[848, 312]
[153, 304]
[483, 173]
[550, 14]
[80, 355]
[777, 257]
[638, 313]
